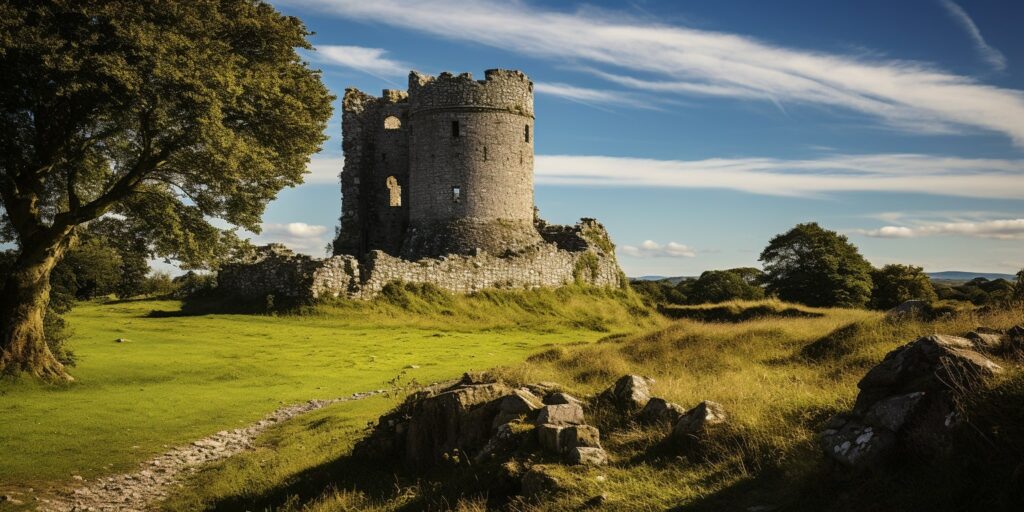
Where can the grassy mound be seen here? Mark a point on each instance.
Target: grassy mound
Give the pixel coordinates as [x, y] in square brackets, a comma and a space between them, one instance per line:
[779, 379]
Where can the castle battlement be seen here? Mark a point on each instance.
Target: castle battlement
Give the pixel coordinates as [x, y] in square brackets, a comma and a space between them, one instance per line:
[502, 89]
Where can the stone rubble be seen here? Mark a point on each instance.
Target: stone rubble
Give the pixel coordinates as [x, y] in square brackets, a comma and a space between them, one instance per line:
[137, 491]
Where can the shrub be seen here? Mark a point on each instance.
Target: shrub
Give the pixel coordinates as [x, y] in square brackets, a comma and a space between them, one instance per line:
[893, 285]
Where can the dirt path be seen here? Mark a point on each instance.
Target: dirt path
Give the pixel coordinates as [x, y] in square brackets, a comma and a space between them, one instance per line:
[138, 490]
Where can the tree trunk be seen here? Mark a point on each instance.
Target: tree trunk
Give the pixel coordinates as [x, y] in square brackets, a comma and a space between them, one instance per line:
[26, 295]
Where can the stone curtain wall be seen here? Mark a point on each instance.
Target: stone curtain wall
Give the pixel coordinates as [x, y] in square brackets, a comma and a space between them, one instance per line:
[545, 265]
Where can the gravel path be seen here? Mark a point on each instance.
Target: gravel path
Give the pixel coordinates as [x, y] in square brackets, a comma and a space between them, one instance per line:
[138, 490]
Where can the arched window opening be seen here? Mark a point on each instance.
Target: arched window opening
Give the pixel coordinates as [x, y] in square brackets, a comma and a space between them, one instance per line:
[394, 191]
[392, 123]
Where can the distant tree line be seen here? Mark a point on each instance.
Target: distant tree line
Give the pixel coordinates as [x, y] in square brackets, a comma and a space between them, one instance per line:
[817, 267]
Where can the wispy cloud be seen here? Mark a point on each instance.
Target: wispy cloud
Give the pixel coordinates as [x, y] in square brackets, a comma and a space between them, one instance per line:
[300, 237]
[1001, 229]
[371, 61]
[685, 61]
[907, 173]
[652, 249]
[324, 170]
[992, 56]
[593, 97]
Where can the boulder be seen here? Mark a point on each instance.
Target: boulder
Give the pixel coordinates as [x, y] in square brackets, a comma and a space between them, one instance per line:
[936, 362]
[560, 439]
[984, 341]
[588, 456]
[907, 402]
[561, 398]
[521, 401]
[561, 414]
[855, 445]
[915, 308]
[506, 439]
[698, 420]
[433, 423]
[1015, 339]
[658, 410]
[630, 392]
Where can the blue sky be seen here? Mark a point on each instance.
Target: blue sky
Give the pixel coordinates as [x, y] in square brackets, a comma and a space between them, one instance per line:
[695, 131]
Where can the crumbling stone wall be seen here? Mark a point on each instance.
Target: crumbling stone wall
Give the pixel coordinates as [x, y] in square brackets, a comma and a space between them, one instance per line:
[544, 265]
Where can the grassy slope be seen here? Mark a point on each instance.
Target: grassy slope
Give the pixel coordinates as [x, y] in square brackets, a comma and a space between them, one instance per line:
[779, 379]
[182, 377]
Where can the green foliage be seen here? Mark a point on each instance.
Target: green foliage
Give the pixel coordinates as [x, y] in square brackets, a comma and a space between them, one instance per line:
[817, 267]
[659, 292]
[158, 284]
[89, 269]
[895, 284]
[587, 267]
[978, 291]
[1018, 287]
[192, 285]
[716, 286]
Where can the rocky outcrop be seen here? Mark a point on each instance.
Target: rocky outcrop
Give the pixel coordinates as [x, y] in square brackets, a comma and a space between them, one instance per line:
[658, 410]
[907, 402]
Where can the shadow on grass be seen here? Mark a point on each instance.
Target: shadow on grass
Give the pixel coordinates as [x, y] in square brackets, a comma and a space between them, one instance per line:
[221, 305]
[732, 314]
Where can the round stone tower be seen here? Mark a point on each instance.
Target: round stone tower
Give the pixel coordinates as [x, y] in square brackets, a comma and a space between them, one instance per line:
[470, 164]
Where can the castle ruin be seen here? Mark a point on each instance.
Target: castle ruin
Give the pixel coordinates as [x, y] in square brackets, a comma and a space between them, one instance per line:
[438, 188]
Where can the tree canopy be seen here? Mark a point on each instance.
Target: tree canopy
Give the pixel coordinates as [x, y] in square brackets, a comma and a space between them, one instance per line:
[817, 267]
[896, 284]
[170, 113]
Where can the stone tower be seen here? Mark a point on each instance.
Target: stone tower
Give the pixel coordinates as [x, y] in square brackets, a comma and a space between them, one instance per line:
[471, 164]
[445, 168]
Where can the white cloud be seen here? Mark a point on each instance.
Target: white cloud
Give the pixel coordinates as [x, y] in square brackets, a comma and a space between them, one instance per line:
[367, 60]
[1001, 229]
[652, 249]
[298, 236]
[324, 170]
[593, 97]
[685, 61]
[907, 173]
[992, 56]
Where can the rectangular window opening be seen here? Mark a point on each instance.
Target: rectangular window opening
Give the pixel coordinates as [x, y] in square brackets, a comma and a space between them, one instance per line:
[456, 194]
[485, 153]
[455, 129]
[527, 131]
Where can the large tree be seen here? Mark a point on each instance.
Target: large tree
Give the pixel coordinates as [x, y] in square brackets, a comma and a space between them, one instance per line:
[167, 112]
[814, 266]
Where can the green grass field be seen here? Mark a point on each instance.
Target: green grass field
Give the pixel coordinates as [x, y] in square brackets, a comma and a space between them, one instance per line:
[179, 378]
[780, 375]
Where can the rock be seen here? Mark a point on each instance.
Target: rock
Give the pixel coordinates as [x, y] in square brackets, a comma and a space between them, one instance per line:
[855, 445]
[561, 414]
[434, 422]
[520, 401]
[505, 440]
[544, 388]
[985, 342]
[630, 392]
[474, 378]
[698, 420]
[538, 480]
[7, 498]
[910, 309]
[560, 439]
[931, 363]
[588, 456]
[658, 410]
[596, 501]
[907, 402]
[892, 413]
[122, 340]
[560, 399]
[1015, 339]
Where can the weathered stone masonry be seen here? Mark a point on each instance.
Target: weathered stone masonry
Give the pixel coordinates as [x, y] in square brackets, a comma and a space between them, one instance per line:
[437, 188]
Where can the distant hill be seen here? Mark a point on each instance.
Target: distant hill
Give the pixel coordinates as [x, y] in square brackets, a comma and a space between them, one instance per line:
[673, 280]
[957, 275]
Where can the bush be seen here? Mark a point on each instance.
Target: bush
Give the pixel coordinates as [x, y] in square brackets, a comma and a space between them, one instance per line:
[893, 285]
[192, 285]
[159, 284]
[715, 286]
